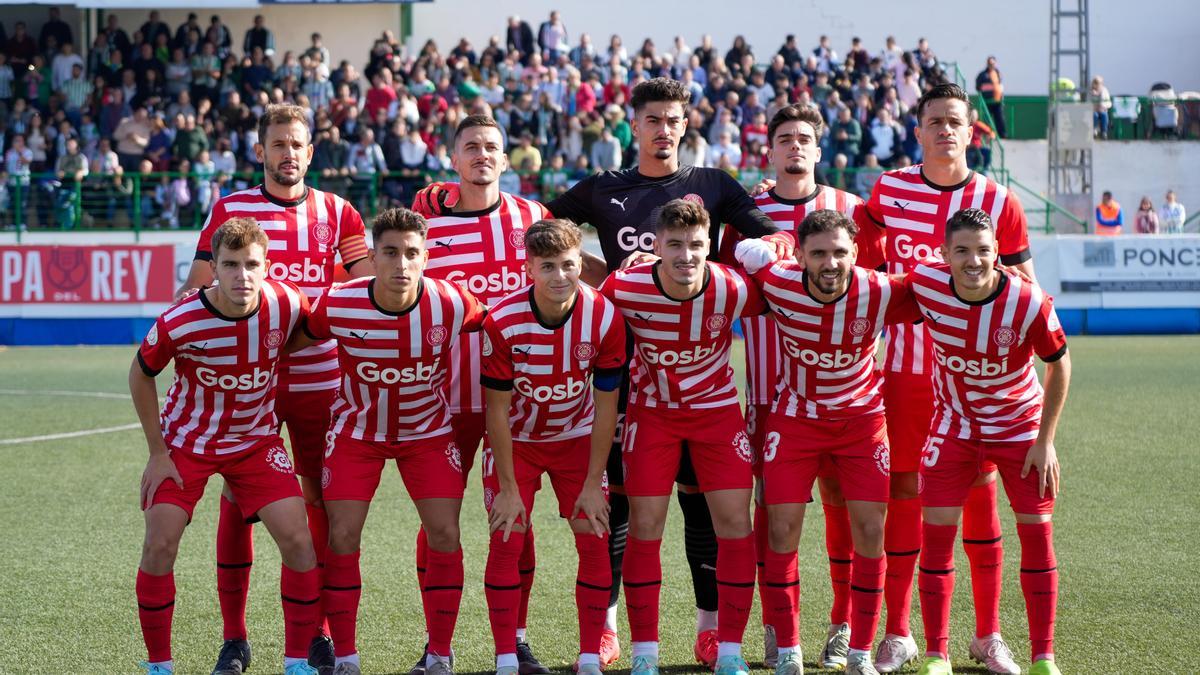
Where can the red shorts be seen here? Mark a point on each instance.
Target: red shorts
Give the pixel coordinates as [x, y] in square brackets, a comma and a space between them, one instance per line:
[908, 401]
[430, 468]
[949, 466]
[566, 462]
[756, 427]
[469, 429]
[797, 448]
[257, 477]
[717, 442]
[307, 415]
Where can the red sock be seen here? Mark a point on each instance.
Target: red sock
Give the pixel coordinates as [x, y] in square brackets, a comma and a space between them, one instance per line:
[840, 547]
[422, 556]
[936, 584]
[642, 574]
[441, 596]
[318, 527]
[781, 597]
[866, 591]
[902, 543]
[593, 583]
[735, 586]
[339, 598]
[527, 566]
[502, 588]
[762, 534]
[235, 556]
[156, 607]
[985, 550]
[1039, 583]
[301, 596]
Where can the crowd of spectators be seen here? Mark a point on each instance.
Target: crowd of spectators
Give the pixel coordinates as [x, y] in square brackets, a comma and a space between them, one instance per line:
[176, 106]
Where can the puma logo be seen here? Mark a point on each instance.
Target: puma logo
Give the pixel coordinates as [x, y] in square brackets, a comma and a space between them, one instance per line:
[444, 243]
[199, 349]
[641, 316]
[521, 350]
[620, 203]
[932, 317]
[901, 205]
[361, 336]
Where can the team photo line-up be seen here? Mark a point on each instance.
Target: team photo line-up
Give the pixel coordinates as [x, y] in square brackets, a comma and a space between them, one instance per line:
[477, 319]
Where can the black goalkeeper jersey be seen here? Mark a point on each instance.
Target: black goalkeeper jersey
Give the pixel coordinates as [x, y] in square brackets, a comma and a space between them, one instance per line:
[623, 207]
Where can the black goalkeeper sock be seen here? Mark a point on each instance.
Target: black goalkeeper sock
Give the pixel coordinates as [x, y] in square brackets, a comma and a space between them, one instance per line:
[700, 544]
[618, 524]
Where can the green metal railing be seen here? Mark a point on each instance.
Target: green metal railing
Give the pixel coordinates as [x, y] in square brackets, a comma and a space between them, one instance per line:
[1044, 209]
[999, 170]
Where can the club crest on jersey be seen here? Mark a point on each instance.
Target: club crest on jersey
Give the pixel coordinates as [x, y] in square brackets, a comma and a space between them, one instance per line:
[883, 459]
[453, 456]
[859, 327]
[487, 345]
[584, 351]
[273, 339]
[278, 459]
[517, 238]
[323, 233]
[741, 444]
[326, 477]
[1004, 336]
[152, 336]
[716, 322]
[694, 198]
[436, 335]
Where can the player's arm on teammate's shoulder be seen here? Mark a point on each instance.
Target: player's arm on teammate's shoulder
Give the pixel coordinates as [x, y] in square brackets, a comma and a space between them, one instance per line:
[153, 355]
[594, 270]
[1012, 239]
[902, 304]
[739, 210]
[199, 275]
[314, 325]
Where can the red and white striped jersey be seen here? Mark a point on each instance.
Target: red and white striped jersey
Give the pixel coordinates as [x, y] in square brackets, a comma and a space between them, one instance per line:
[984, 382]
[393, 378]
[681, 347]
[762, 342]
[483, 252]
[305, 237]
[549, 368]
[828, 349]
[913, 213]
[222, 400]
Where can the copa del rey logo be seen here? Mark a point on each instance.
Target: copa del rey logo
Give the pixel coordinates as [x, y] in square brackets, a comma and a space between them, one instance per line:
[273, 339]
[1004, 336]
[585, 351]
[716, 322]
[152, 336]
[436, 335]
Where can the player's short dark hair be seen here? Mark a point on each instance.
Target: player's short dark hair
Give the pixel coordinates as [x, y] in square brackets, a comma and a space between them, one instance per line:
[947, 90]
[236, 234]
[552, 237]
[471, 121]
[824, 220]
[796, 113]
[282, 113]
[973, 220]
[681, 214]
[398, 219]
[660, 89]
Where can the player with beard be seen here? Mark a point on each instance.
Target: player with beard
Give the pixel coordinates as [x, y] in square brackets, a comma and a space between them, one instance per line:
[308, 229]
[623, 208]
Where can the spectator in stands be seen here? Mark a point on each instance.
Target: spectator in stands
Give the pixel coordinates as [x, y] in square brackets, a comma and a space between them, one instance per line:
[979, 153]
[132, 135]
[990, 87]
[1146, 220]
[1171, 215]
[1109, 217]
[846, 134]
[1101, 104]
[260, 37]
[526, 149]
[606, 152]
[886, 136]
[219, 36]
[21, 49]
[55, 29]
[519, 38]
[725, 154]
[867, 174]
[552, 37]
[174, 193]
[365, 161]
[190, 140]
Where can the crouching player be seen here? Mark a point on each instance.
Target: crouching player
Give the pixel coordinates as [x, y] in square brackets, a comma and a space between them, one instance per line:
[986, 324]
[543, 345]
[828, 408]
[219, 418]
[393, 331]
[681, 309]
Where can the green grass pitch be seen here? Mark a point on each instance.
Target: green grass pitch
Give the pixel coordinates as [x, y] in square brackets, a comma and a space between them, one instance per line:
[1127, 522]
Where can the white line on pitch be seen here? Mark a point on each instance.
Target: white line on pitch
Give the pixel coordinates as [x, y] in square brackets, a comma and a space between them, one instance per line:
[64, 392]
[69, 434]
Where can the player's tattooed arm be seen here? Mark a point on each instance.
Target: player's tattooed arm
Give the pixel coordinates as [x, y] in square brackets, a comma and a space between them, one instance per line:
[159, 467]
[594, 271]
[1043, 456]
[507, 508]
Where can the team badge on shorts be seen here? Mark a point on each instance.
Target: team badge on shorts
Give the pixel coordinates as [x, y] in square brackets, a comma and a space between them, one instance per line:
[436, 335]
[859, 327]
[273, 339]
[883, 459]
[453, 456]
[322, 233]
[517, 238]
[716, 322]
[584, 351]
[152, 336]
[326, 477]
[278, 459]
[694, 198]
[741, 444]
[1004, 336]
[489, 498]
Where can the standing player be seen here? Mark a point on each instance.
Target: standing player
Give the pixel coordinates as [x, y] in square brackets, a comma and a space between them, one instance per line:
[829, 411]
[793, 135]
[226, 341]
[623, 208]
[392, 331]
[542, 346]
[984, 326]
[912, 206]
[308, 229]
[680, 310]
[480, 245]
